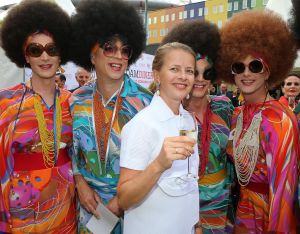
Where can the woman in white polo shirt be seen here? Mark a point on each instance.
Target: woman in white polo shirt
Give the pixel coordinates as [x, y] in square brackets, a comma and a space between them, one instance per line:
[154, 157]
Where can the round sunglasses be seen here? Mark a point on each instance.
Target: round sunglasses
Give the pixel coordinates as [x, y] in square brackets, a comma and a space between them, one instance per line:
[36, 50]
[208, 74]
[255, 66]
[110, 49]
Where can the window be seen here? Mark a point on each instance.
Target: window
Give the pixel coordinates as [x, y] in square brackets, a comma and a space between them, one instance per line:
[162, 19]
[154, 33]
[200, 12]
[149, 21]
[173, 17]
[229, 6]
[265, 2]
[221, 8]
[253, 3]
[154, 20]
[185, 14]
[167, 18]
[192, 13]
[215, 9]
[244, 4]
[149, 34]
[235, 6]
[220, 23]
[180, 15]
[166, 31]
[205, 11]
[161, 32]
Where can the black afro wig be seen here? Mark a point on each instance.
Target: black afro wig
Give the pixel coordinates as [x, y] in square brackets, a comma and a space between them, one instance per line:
[202, 36]
[31, 16]
[295, 20]
[99, 20]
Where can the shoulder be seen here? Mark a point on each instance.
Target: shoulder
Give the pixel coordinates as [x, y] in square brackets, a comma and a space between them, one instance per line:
[133, 89]
[221, 105]
[11, 95]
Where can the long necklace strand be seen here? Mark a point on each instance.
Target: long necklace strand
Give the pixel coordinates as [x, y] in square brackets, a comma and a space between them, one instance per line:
[47, 136]
[103, 126]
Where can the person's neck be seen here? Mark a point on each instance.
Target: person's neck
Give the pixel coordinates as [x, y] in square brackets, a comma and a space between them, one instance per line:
[45, 88]
[198, 106]
[172, 104]
[256, 97]
[107, 87]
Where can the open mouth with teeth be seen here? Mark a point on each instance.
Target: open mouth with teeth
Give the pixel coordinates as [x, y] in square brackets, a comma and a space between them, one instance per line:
[115, 66]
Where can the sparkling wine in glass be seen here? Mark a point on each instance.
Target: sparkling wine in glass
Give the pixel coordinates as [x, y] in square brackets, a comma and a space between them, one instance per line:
[188, 127]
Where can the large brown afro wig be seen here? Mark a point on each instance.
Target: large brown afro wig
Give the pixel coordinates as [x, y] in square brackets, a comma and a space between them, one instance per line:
[295, 20]
[202, 36]
[97, 21]
[257, 32]
[31, 16]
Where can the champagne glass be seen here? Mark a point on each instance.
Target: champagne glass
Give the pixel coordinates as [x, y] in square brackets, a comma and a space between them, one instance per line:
[188, 127]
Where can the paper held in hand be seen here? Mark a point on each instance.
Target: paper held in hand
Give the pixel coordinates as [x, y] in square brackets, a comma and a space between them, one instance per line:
[105, 224]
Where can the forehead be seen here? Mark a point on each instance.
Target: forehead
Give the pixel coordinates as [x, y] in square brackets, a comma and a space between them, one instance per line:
[83, 73]
[40, 38]
[179, 57]
[292, 79]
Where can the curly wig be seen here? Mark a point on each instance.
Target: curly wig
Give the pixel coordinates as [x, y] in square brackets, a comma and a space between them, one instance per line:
[31, 16]
[97, 21]
[202, 36]
[295, 20]
[261, 33]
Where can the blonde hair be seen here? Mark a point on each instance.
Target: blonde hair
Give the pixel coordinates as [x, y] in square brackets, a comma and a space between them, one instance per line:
[164, 49]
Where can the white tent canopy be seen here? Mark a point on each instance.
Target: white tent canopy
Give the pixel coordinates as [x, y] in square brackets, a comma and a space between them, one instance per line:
[283, 7]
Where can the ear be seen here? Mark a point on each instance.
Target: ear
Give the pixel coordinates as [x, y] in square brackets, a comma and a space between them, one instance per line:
[26, 59]
[156, 76]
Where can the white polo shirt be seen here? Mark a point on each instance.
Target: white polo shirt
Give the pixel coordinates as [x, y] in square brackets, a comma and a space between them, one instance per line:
[171, 206]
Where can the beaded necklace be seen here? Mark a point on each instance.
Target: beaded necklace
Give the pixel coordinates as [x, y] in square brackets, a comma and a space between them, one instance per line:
[102, 125]
[245, 149]
[50, 139]
[205, 140]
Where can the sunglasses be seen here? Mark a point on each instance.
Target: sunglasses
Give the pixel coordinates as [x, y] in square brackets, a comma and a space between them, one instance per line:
[109, 50]
[36, 50]
[208, 74]
[255, 66]
[290, 83]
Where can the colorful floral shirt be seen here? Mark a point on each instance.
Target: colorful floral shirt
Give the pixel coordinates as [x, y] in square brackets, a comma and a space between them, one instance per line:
[266, 203]
[102, 176]
[34, 200]
[214, 186]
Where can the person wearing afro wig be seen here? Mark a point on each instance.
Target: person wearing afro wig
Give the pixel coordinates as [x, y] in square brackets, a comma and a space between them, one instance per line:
[212, 113]
[37, 192]
[107, 36]
[257, 52]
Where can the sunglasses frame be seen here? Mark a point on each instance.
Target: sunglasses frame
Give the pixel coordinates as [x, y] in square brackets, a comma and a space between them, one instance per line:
[251, 69]
[41, 49]
[115, 48]
[208, 72]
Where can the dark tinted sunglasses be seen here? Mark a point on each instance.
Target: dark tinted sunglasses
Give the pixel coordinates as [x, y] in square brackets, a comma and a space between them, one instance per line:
[255, 66]
[110, 49]
[36, 50]
[208, 74]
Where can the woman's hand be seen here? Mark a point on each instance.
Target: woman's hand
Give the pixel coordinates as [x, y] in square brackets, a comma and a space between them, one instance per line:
[174, 148]
[88, 198]
[114, 207]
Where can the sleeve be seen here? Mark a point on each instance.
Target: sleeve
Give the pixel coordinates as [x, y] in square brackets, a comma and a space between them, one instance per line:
[136, 145]
[280, 145]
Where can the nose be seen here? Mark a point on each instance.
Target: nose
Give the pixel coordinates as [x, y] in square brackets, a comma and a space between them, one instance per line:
[118, 53]
[247, 71]
[44, 55]
[199, 77]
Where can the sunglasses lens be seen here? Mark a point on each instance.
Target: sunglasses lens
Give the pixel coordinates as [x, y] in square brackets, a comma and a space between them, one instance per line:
[34, 50]
[237, 68]
[108, 49]
[126, 52]
[51, 50]
[209, 74]
[256, 66]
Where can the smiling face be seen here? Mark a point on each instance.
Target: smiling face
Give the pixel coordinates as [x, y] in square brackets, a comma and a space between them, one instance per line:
[176, 76]
[252, 85]
[82, 76]
[201, 86]
[291, 87]
[110, 68]
[44, 66]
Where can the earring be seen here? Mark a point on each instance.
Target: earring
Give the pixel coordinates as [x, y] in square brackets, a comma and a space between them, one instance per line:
[187, 97]
[157, 88]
